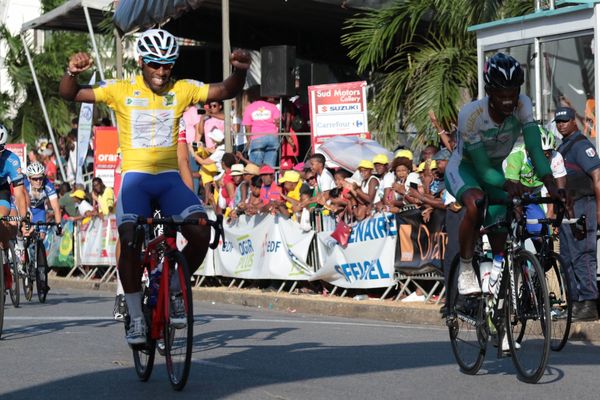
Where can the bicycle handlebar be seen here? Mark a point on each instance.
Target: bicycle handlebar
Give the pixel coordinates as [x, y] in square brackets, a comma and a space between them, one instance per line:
[523, 201]
[217, 225]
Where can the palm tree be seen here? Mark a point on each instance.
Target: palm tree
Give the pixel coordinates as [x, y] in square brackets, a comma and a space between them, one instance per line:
[50, 66]
[422, 59]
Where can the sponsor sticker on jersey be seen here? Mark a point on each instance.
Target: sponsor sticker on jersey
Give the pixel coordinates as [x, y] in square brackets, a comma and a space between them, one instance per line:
[133, 102]
[590, 152]
[169, 99]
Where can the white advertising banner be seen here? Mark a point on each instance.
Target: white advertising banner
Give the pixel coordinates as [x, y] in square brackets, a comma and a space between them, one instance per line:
[263, 247]
[84, 133]
[368, 260]
[98, 241]
[338, 109]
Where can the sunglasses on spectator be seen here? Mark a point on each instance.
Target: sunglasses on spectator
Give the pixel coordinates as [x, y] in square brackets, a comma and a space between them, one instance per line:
[214, 105]
[308, 178]
[155, 65]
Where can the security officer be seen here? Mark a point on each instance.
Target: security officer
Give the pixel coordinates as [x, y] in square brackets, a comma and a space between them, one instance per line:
[583, 183]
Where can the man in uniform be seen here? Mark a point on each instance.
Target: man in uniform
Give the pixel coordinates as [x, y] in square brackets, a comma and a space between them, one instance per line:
[583, 183]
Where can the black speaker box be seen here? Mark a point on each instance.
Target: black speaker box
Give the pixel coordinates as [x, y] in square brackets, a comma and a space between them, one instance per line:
[277, 71]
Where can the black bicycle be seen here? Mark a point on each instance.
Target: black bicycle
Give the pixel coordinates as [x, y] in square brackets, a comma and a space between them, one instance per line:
[36, 264]
[518, 314]
[2, 296]
[561, 307]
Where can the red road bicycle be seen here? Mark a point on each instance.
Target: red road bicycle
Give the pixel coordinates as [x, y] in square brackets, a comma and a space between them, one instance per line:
[174, 341]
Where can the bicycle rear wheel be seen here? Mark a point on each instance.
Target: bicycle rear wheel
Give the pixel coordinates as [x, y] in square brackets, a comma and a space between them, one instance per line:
[528, 321]
[143, 354]
[466, 325]
[13, 266]
[561, 308]
[41, 272]
[179, 339]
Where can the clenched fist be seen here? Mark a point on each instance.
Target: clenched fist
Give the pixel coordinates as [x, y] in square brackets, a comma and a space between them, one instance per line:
[240, 59]
[80, 62]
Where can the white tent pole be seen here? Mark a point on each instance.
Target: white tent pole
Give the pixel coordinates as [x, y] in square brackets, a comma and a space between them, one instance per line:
[43, 105]
[88, 20]
[94, 45]
[226, 45]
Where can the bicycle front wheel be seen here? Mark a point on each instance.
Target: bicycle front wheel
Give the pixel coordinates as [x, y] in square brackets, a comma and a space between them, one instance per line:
[466, 325]
[29, 276]
[561, 308]
[528, 317]
[41, 273]
[179, 331]
[143, 355]
[2, 298]
[13, 267]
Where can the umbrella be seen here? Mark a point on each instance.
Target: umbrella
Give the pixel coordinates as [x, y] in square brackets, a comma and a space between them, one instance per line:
[348, 151]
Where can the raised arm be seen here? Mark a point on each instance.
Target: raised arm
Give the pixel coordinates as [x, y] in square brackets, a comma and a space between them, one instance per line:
[69, 89]
[230, 87]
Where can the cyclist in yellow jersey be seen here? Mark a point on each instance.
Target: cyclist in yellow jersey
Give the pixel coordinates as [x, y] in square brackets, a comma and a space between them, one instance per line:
[154, 159]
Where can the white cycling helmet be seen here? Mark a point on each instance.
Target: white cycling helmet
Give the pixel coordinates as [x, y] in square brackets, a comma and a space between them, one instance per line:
[548, 142]
[35, 168]
[158, 45]
[3, 135]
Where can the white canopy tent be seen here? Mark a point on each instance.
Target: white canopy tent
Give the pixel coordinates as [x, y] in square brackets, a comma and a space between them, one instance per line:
[75, 15]
[560, 50]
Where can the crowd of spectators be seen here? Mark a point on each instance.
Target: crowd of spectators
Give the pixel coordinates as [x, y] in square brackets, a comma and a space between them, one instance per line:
[238, 186]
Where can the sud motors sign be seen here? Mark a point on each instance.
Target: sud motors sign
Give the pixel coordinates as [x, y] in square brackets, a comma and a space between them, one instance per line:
[338, 109]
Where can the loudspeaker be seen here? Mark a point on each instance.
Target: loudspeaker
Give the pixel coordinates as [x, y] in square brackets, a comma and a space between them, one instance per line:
[276, 71]
[313, 74]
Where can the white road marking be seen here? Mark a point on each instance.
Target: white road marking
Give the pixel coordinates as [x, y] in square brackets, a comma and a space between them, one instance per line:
[231, 319]
[293, 321]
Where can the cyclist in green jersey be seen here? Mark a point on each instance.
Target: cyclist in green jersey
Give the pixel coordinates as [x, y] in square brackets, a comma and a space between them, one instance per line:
[488, 129]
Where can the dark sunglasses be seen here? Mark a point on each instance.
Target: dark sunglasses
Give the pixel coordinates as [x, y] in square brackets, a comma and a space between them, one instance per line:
[41, 178]
[155, 65]
[308, 178]
[214, 105]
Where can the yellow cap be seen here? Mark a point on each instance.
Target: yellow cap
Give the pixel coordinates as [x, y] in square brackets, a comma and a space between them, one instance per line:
[366, 164]
[432, 165]
[290, 176]
[80, 194]
[404, 153]
[380, 159]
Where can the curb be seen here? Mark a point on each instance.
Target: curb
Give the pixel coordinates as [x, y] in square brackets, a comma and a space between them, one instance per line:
[381, 310]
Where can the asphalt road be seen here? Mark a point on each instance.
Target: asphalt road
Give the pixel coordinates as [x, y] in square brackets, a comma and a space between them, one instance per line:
[70, 348]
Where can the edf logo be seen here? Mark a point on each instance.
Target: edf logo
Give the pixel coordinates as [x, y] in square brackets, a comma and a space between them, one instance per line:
[273, 246]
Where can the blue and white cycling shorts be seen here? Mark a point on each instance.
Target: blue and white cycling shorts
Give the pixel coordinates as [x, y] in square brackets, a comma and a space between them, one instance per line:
[140, 189]
[39, 215]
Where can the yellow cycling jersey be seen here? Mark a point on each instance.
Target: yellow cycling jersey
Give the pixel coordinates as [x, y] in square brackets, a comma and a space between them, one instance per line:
[148, 123]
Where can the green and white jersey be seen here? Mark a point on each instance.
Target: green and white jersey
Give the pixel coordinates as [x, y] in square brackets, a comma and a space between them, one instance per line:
[477, 129]
[518, 167]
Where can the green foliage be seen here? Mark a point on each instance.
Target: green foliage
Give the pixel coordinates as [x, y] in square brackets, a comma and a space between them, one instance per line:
[50, 66]
[422, 59]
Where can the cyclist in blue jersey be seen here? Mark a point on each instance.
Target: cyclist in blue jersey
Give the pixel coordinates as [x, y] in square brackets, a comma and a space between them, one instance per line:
[10, 175]
[40, 190]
